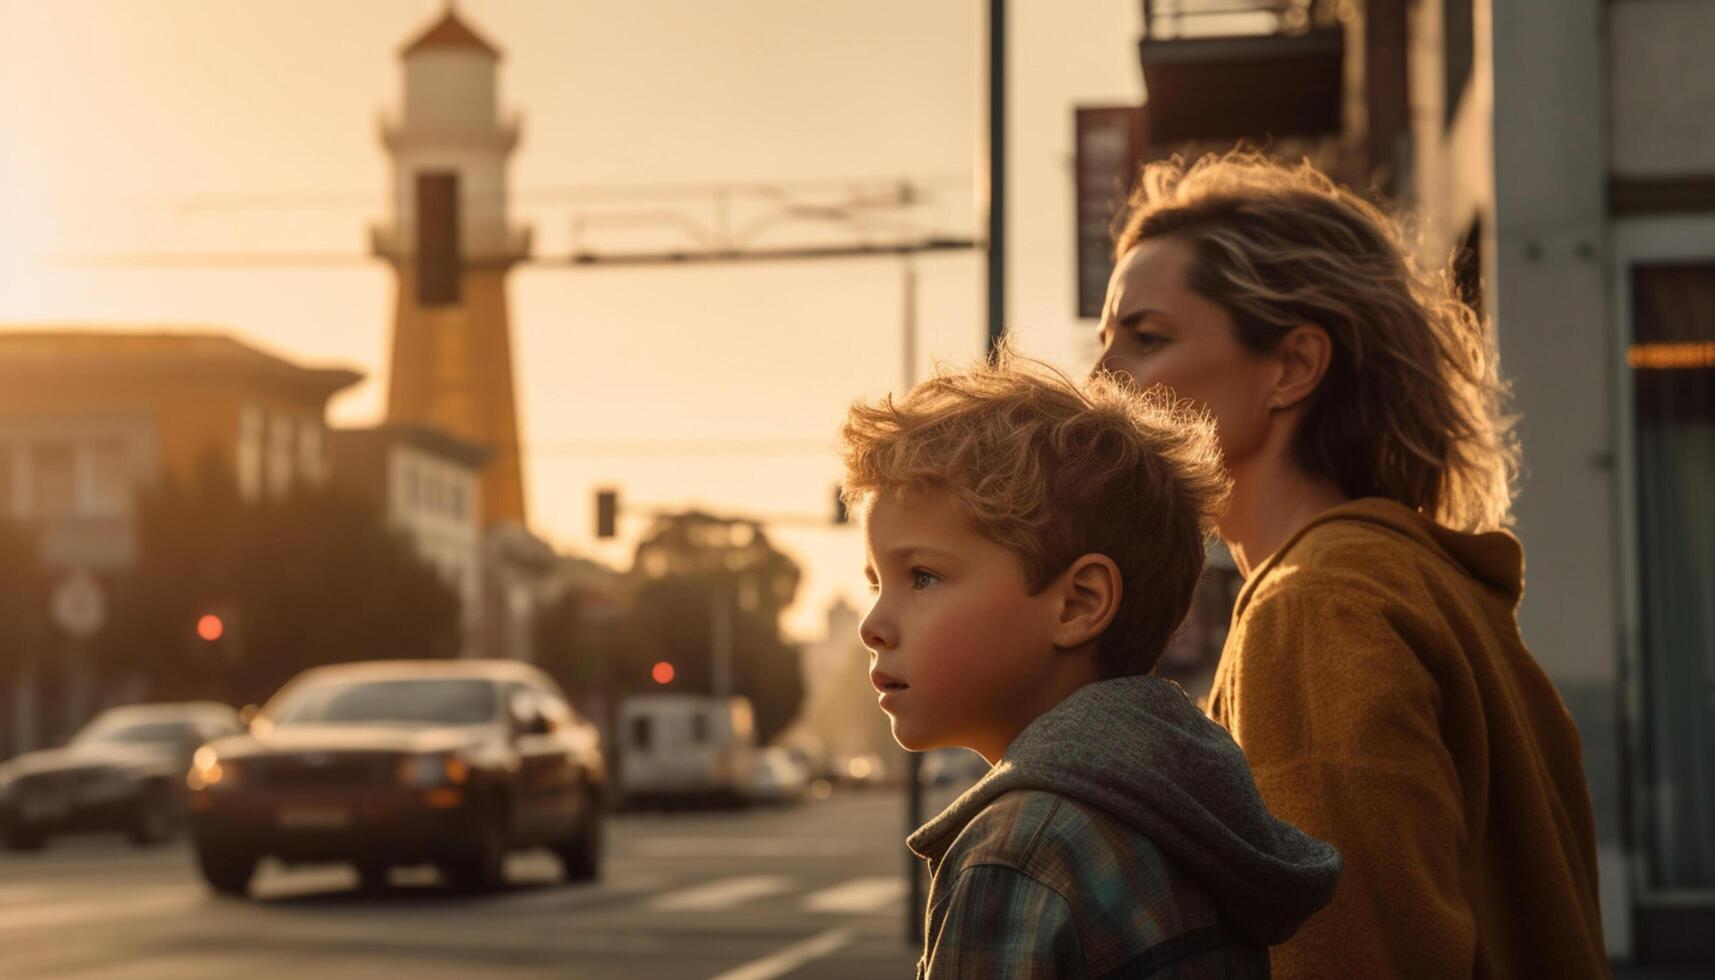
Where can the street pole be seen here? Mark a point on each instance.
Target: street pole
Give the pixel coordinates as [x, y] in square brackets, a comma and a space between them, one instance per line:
[720, 628]
[996, 173]
[913, 760]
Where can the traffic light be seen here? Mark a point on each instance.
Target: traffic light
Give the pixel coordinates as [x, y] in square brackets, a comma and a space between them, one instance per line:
[662, 672]
[606, 513]
[210, 628]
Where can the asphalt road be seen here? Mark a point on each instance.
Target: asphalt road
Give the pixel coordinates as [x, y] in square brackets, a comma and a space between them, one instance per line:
[816, 890]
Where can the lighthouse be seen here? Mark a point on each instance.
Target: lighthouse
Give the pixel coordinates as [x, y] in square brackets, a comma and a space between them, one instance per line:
[451, 247]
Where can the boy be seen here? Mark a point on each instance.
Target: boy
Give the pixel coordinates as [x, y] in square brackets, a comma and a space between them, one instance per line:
[1032, 544]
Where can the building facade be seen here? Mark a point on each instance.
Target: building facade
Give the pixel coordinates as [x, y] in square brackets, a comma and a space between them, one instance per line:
[429, 486]
[1558, 159]
[1566, 153]
[89, 418]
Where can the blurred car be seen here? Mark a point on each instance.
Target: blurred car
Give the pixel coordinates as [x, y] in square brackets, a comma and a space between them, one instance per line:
[946, 767]
[123, 771]
[860, 771]
[776, 777]
[391, 763]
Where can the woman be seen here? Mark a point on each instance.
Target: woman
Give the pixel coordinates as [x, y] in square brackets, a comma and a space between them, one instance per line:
[1374, 674]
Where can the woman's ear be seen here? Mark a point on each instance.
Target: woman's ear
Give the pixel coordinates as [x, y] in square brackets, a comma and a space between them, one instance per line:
[1304, 354]
[1090, 592]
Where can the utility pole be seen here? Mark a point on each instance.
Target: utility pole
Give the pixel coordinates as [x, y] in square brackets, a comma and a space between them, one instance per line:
[996, 184]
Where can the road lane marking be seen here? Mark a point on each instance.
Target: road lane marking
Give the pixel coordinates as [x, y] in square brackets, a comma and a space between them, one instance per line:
[724, 847]
[131, 906]
[19, 893]
[722, 893]
[792, 957]
[858, 895]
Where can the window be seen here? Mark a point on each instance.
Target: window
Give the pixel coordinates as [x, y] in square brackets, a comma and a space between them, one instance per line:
[250, 433]
[8, 473]
[106, 479]
[699, 728]
[53, 478]
[439, 265]
[279, 455]
[1468, 267]
[310, 450]
[642, 732]
[1458, 29]
[1672, 361]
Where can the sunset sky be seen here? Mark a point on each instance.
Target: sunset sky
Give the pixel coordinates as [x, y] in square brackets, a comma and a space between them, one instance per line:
[232, 126]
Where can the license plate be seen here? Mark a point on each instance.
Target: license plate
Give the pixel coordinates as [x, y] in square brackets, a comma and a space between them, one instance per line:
[314, 817]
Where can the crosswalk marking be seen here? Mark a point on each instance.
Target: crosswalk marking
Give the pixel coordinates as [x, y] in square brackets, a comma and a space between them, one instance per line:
[722, 893]
[857, 895]
[729, 847]
[792, 957]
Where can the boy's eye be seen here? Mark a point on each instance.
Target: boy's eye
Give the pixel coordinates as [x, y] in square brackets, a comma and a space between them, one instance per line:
[921, 579]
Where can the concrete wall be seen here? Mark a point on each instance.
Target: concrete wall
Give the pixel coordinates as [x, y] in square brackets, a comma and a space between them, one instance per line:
[1550, 292]
[1661, 87]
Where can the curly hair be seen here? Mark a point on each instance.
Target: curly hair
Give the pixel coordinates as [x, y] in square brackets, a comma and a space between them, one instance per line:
[1051, 470]
[1412, 407]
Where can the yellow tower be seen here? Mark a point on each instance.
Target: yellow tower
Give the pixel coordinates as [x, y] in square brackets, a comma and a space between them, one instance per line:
[451, 247]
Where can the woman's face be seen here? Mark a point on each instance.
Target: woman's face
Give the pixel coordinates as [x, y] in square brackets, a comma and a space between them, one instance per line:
[1155, 330]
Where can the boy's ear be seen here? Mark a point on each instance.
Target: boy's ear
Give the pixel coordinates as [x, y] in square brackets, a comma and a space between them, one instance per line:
[1090, 592]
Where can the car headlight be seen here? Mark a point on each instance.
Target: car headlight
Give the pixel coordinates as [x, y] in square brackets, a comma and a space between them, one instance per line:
[438, 769]
[209, 771]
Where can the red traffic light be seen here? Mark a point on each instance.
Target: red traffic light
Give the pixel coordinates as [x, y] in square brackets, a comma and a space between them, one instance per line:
[662, 672]
[210, 628]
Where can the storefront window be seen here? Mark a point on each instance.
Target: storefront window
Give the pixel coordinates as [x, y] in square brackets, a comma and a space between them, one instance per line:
[1672, 362]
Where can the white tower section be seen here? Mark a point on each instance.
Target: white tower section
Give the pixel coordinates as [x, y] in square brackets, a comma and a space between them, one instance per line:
[451, 246]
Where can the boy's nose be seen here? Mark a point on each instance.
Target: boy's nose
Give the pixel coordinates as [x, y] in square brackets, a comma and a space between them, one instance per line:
[875, 632]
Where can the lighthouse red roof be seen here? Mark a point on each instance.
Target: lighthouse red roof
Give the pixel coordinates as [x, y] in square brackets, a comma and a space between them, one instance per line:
[450, 32]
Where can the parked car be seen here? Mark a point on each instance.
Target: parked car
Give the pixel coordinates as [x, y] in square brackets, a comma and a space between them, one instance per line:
[123, 771]
[391, 763]
[946, 767]
[860, 771]
[776, 777]
[683, 748]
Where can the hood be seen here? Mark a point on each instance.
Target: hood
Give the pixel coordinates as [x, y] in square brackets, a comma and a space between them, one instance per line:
[1494, 558]
[353, 738]
[119, 755]
[1137, 749]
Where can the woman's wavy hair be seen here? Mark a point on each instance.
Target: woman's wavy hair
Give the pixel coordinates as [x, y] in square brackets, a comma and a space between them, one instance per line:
[1412, 407]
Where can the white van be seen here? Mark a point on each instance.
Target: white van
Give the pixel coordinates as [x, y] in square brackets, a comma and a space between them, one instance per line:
[684, 748]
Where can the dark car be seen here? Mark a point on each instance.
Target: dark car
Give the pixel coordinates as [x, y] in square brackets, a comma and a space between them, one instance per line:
[124, 771]
[392, 763]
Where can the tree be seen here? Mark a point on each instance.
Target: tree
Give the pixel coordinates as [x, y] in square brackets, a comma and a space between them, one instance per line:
[23, 614]
[689, 565]
[584, 638]
[313, 578]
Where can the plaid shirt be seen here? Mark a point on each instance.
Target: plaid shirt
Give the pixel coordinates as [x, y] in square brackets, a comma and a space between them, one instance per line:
[1038, 885]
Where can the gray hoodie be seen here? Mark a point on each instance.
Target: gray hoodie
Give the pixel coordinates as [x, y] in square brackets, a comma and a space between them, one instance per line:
[1137, 752]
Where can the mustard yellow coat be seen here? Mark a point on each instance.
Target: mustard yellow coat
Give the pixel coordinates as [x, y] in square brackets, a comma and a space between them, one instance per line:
[1377, 682]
